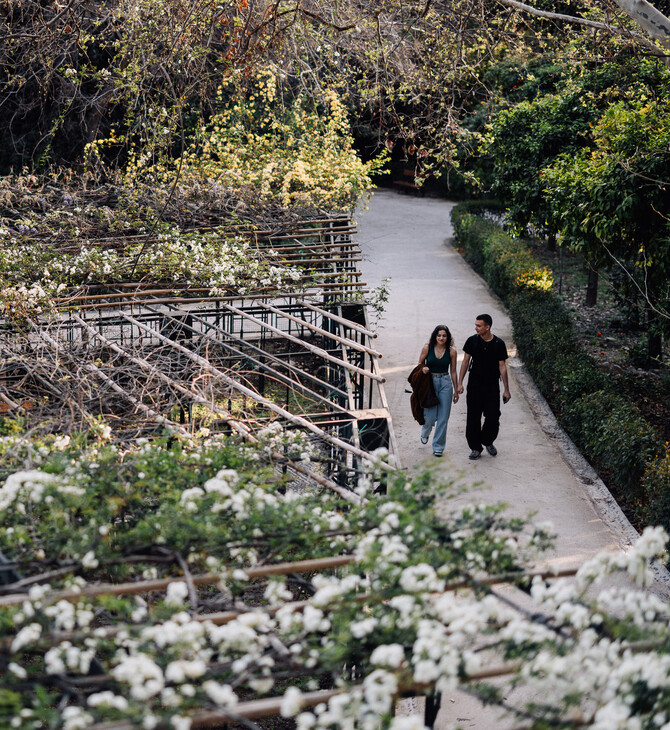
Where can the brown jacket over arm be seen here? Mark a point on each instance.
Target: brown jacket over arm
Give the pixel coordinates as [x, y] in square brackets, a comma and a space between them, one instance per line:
[423, 393]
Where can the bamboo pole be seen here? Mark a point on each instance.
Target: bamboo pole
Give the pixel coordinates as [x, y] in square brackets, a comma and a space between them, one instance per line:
[240, 427]
[301, 566]
[259, 236]
[336, 318]
[312, 348]
[252, 710]
[185, 288]
[297, 420]
[312, 289]
[294, 369]
[342, 340]
[280, 376]
[161, 584]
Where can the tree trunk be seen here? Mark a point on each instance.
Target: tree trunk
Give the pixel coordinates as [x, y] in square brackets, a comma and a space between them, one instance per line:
[591, 285]
[551, 242]
[654, 339]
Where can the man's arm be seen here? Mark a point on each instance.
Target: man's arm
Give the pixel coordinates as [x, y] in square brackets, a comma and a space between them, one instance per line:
[464, 369]
[502, 366]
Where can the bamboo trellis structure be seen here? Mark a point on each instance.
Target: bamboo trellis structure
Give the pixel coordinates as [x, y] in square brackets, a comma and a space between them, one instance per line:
[271, 706]
[151, 356]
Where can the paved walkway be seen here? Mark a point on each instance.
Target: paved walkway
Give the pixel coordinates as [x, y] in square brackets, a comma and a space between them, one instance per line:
[407, 239]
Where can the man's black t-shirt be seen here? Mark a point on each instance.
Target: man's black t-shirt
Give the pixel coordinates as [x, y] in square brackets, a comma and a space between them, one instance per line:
[486, 356]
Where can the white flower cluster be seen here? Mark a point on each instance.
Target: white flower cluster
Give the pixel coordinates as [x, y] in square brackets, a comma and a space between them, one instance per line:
[66, 658]
[390, 609]
[635, 562]
[210, 259]
[22, 300]
[29, 485]
[294, 443]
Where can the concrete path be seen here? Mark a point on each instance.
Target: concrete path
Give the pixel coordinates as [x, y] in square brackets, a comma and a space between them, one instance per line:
[408, 239]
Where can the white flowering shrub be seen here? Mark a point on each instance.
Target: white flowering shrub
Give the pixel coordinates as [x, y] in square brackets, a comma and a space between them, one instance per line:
[221, 263]
[219, 500]
[412, 611]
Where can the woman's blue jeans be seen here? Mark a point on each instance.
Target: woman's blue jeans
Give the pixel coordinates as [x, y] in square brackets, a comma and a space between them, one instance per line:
[438, 415]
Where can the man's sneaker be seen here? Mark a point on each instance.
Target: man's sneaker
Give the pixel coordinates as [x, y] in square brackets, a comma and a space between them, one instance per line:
[474, 454]
[492, 450]
[437, 453]
[424, 439]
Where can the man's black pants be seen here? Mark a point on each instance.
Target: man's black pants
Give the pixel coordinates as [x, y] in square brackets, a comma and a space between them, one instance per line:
[482, 402]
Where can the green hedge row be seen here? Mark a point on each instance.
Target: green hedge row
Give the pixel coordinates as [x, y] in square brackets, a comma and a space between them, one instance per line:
[606, 427]
[505, 262]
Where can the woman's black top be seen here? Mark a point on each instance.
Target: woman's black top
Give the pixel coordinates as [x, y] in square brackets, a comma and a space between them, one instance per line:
[438, 364]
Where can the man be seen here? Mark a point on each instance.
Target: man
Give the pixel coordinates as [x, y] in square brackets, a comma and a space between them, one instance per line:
[488, 354]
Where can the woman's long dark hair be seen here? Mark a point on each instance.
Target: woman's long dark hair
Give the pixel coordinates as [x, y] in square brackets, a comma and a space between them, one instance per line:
[433, 337]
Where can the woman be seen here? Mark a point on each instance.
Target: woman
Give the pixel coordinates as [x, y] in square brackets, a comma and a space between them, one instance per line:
[438, 358]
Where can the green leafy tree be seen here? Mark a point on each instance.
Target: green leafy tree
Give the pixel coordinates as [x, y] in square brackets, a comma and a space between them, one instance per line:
[522, 141]
[612, 202]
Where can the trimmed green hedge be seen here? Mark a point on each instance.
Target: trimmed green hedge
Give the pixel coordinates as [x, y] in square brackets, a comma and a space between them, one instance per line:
[505, 262]
[607, 428]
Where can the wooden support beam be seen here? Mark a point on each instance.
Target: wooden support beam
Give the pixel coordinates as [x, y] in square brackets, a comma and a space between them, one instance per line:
[342, 340]
[312, 348]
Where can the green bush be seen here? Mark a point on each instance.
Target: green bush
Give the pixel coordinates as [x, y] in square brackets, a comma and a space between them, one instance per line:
[504, 261]
[543, 336]
[615, 437]
[656, 491]
[472, 232]
[607, 428]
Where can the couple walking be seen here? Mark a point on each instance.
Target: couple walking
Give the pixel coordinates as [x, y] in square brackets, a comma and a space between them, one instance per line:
[485, 359]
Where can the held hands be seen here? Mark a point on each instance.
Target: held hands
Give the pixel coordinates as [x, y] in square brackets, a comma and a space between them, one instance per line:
[455, 397]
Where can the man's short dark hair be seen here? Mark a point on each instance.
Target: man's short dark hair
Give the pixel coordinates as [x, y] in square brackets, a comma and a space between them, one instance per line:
[486, 319]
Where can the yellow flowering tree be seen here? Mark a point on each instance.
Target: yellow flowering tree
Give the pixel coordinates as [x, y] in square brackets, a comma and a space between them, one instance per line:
[298, 151]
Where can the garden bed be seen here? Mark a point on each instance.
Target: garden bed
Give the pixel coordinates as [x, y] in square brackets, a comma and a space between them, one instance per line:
[607, 334]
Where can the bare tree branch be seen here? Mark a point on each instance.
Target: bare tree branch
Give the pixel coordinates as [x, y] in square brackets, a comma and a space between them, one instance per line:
[661, 34]
[648, 18]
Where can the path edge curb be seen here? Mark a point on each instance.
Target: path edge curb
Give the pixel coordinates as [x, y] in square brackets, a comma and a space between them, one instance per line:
[606, 507]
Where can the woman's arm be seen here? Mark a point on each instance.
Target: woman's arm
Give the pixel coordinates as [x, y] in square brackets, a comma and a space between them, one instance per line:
[422, 358]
